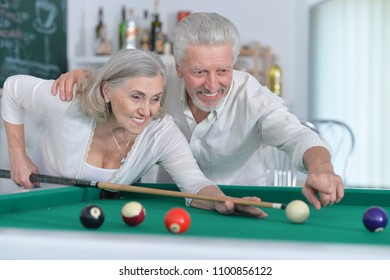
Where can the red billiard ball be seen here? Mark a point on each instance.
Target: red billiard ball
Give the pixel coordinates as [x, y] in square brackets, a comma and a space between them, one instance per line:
[133, 213]
[92, 216]
[375, 219]
[177, 220]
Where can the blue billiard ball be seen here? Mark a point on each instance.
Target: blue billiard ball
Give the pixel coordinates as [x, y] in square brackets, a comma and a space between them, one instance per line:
[375, 219]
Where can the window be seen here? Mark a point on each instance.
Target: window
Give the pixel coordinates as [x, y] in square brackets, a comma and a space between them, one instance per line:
[350, 79]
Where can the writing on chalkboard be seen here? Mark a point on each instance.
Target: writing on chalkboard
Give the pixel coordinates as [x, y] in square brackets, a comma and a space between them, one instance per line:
[32, 38]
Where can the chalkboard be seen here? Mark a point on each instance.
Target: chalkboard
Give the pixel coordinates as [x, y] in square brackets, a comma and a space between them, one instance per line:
[32, 38]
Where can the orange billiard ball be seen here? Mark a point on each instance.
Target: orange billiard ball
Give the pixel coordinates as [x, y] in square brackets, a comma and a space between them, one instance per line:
[133, 213]
[177, 220]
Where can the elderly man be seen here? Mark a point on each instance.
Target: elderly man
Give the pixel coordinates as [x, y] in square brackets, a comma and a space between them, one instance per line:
[227, 116]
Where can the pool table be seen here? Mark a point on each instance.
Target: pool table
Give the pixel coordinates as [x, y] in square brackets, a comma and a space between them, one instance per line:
[45, 224]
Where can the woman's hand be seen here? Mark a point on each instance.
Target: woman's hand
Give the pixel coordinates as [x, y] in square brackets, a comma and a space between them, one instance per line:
[21, 170]
[227, 207]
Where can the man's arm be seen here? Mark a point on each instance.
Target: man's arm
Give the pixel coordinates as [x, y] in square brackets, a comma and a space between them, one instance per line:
[65, 83]
[321, 180]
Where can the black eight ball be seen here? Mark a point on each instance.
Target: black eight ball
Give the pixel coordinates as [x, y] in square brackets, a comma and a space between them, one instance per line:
[92, 216]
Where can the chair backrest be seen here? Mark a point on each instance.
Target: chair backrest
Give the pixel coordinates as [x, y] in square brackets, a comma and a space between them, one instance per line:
[342, 140]
[279, 167]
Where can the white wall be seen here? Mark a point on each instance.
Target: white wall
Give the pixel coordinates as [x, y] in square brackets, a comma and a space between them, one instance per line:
[280, 24]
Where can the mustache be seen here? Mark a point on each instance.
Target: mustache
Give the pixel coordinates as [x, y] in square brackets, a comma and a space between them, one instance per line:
[203, 90]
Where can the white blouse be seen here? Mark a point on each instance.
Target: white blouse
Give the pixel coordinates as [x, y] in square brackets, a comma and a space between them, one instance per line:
[64, 146]
[93, 173]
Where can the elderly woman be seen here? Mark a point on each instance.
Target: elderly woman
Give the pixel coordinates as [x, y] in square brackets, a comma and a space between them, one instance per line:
[114, 131]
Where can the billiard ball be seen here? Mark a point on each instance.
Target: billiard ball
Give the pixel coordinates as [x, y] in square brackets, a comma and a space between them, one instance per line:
[133, 213]
[177, 220]
[297, 211]
[92, 216]
[375, 219]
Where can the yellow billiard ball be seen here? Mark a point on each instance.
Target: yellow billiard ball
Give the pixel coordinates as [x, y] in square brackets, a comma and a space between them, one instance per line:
[297, 211]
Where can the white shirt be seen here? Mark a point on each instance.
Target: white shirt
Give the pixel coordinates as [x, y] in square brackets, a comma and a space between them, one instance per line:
[228, 143]
[64, 147]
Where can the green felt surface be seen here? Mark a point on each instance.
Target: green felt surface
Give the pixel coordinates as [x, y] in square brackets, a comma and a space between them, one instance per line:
[59, 209]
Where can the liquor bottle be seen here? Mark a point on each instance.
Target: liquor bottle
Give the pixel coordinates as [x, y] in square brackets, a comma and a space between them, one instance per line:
[156, 34]
[102, 44]
[275, 76]
[100, 27]
[144, 39]
[122, 29]
[131, 33]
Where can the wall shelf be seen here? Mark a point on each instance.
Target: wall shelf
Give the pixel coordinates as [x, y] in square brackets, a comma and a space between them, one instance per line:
[91, 61]
[96, 61]
[260, 61]
[254, 59]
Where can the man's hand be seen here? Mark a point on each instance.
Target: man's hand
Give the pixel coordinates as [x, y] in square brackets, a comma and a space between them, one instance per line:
[323, 187]
[227, 207]
[66, 83]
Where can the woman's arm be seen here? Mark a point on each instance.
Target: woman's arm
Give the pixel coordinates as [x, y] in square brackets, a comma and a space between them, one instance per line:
[21, 165]
[23, 93]
[227, 207]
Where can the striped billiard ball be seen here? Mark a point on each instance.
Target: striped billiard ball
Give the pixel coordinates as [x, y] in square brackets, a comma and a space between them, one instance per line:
[133, 213]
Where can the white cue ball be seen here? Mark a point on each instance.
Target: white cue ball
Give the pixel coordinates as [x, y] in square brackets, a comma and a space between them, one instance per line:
[297, 211]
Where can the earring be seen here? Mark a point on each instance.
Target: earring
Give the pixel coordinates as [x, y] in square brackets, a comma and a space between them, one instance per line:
[107, 107]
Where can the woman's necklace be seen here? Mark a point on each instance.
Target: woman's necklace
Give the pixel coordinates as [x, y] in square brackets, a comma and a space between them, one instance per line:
[123, 157]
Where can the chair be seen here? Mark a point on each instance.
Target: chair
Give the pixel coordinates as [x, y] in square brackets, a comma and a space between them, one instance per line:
[280, 170]
[342, 141]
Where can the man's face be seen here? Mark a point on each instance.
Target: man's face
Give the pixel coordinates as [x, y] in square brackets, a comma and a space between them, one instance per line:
[207, 71]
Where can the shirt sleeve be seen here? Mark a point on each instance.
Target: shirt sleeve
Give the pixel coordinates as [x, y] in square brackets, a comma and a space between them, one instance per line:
[23, 93]
[282, 129]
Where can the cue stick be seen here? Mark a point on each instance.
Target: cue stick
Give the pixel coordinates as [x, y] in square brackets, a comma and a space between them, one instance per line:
[136, 189]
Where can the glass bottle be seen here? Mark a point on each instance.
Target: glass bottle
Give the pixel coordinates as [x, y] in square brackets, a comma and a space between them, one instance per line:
[144, 40]
[102, 44]
[131, 34]
[100, 27]
[275, 76]
[122, 29]
[156, 34]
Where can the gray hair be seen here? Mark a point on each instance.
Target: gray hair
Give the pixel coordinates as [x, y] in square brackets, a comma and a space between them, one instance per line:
[123, 65]
[204, 29]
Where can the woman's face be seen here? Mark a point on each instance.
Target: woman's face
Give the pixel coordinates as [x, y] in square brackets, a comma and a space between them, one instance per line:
[136, 102]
